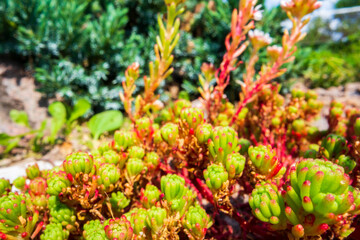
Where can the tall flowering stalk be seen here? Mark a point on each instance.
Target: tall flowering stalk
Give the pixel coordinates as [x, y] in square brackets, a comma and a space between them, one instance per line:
[296, 11]
[159, 68]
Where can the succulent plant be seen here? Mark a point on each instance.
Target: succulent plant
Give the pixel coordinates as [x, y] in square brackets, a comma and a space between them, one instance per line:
[267, 204]
[5, 186]
[152, 159]
[346, 162]
[108, 175]
[203, 132]
[19, 182]
[38, 186]
[156, 218]
[54, 231]
[244, 145]
[192, 116]
[110, 156]
[170, 132]
[94, 230]
[179, 105]
[149, 196]
[134, 166]
[119, 229]
[144, 126]
[234, 165]
[173, 187]
[56, 183]
[123, 139]
[78, 163]
[137, 218]
[61, 213]
[215, 176]
[333, 146]
[33, 171]
[136, 152]
[196, 221]
[119, 201]
[223, 141]
[265, 161]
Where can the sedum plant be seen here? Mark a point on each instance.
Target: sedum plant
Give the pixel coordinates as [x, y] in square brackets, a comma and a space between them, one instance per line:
[256, 169]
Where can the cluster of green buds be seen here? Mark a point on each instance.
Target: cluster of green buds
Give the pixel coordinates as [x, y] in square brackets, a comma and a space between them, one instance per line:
[119, 229]
[318, 194]
[152, 160]
[32, 171]
[169, 133]
[203, 132]
[223, 141]
[57, 182]
[119, 201]
[333, 146]
[14, 220]
[5, 186]
[111, 156]
[54, 231]
[134, 167]
[37, 192]
[123, 140]
[215, 176]
[144, 127]
[192, 117]
[179, 105]
[78, 164]
[346, 162]
[94, 230]
[268, 205]
[196, 222]
[265, 161]
[137, 218]
[61, 214]
[177, 195]
[156, 217]
[107, 176]
[19, 183]
[149, 196]
[234, 165]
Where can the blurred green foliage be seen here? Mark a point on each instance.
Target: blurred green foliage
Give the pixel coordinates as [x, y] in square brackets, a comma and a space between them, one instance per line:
[347, 3]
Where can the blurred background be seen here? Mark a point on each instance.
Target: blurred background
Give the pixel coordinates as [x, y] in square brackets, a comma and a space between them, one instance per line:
[76, 52]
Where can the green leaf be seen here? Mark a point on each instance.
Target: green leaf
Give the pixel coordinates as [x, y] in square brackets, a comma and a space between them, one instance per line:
[58, 113]
[80, 108]
[4, 139]
[19, 117]
[12, 144]
[104, 122]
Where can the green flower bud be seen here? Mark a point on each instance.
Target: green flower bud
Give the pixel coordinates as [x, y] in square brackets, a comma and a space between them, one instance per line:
[170, 132]
[215, 176]
[134, 166]
[137, 218]
[56, 183]
[357, 127]
[123, 139]
[244, 145]
[192, 116]
[108, 175]
[234, 165]
[182, 204]
[173, 187]
[311, 94]
[197, 222]
[180, 105]
[119, 201]
[38, 186]
[276, 121]
[333, 146]
[94, 230]
[311, 153]
[136, 152]
[156, 218]
[111, 156]
[79, 162]
[104, 147]
[54, 231]
[297, 93]
[33, 171]
[5, 186]
[19, 183]
[267, 204]
[144, 127]
[346, 162]
[223, 141]
[336, 112]
[152, 159]
[157, 137]
[61, 213]
[298, 125]
[165, 115]
[203, 132]
[149, 196]
[119, 228]
[265, 161]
